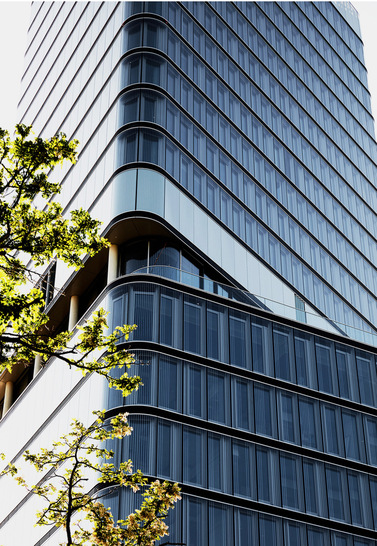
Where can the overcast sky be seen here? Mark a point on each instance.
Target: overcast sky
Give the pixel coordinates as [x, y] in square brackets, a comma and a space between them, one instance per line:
[14, 22]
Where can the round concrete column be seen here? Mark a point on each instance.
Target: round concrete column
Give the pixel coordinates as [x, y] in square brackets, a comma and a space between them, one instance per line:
[37, 364]
[73, 312]
[112, 266]
[8, 396]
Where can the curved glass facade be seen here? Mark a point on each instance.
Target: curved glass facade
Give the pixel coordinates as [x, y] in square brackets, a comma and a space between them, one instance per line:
[191, 324]
[248, 408]
[229, 150]
[251, 131]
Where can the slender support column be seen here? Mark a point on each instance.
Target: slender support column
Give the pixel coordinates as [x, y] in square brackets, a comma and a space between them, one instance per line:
[8, 396]
[112, 267]
[73, 312]
[37, 364]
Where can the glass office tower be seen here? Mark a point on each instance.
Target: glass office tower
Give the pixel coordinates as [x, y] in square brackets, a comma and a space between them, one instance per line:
[229, 150]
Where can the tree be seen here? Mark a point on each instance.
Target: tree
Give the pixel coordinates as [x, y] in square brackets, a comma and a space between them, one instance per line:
[37, 233]
[33, 231]
[70, 462]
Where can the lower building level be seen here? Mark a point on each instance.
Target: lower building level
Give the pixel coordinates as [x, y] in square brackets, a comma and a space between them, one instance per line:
[268, 423]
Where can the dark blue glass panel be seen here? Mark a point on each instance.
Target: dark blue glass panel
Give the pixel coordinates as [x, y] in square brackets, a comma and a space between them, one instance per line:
[143, 316]
[185, 173]
[307, 424]
[293, 537]
[150, 147]
[172, 160]
[164, 451]
[130, 107]
[134, 69]
[198, 184]
[288, 472]
[145, 369]
[286, 417]
[215, 466]
[257, 348]
[355, 500]
[263, 475]
[351, 439]
[166, 320]
[242, 404]
[149, 107]
[340, 540]
[365, 380]
[193, 456]
[188, 266]
[244, 529]
[150, 31]
[324, 368]
[281, 354]
[139, 447]
[310, 488]
[192, 326]
[267, 531]
[168, 394]
[154, 7]
[213, 202]
[330, 431]
[219, 530]
[133, 257]
[334, 494]
[343, 374]
[242, 469]
[316, 538]
[237, 341]
[262, 409]
[195, 391]
[301, 360]
[372, 440]
[151, 70]
[213, 334]
[216, 397]
[262, 346]
[129, 152]
[195, 522]
[133, 35]
[118, 313]
[373, 494]
[164, 260]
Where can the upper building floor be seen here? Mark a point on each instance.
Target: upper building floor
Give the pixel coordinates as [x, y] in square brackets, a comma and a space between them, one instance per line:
[259, 113]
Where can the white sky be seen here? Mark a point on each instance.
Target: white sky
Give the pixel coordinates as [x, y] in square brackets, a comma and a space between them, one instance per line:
[15, 19]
